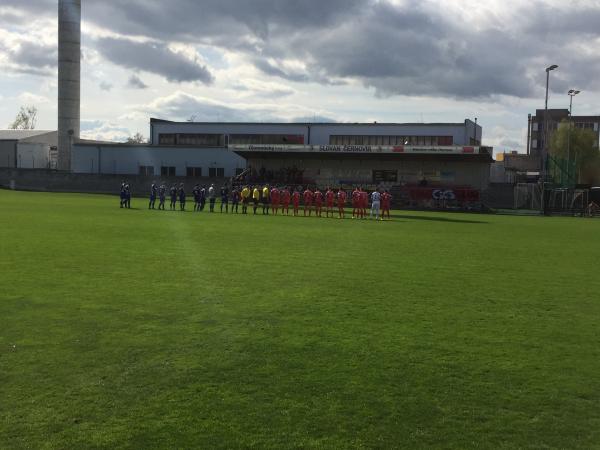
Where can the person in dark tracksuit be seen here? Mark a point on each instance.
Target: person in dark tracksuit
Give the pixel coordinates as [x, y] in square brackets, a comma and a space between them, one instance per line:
[153, 191]
[202, 198]
[173, 195]
[162, 191]
[196, 194]
[224, 199]
[181, 197]
[235, 200]
[122, 195]
[127, 196]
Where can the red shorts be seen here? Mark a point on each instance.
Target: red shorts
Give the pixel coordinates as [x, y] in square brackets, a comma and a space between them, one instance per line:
[330, 204]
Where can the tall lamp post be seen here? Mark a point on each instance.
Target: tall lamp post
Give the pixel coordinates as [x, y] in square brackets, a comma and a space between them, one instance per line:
[572, 93]
[545, 152]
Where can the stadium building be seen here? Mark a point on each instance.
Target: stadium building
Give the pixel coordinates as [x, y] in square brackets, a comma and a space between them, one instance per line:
[446, 154]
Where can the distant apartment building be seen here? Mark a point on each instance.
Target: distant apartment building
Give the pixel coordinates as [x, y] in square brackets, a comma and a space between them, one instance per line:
[555, 117]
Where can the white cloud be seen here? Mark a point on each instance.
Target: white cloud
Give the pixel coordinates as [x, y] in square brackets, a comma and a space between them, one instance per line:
[29, 98]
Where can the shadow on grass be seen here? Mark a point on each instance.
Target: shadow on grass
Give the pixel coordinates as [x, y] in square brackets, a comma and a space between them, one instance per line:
[437, 219]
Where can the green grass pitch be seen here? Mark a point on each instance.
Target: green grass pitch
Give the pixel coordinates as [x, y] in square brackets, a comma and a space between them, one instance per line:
[138, 329]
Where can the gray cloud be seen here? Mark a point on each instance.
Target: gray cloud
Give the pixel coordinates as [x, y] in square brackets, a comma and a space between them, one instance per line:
[182, 106]
[34, 58]
[153, 57]
[106, 86]
[409, 50]
[270, 69]
[136, 82]
[416, 49]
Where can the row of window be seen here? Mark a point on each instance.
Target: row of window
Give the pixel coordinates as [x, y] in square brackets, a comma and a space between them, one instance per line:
[586, 125]
[170, 171]
[391, 140]
[220, 140]
[204, 140]
[262, 139]
[554, 125]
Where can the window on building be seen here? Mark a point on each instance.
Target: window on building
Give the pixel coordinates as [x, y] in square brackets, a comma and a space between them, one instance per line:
[200, 140]
[167, 139]
[147, 171]
[193, 171]
[585, 125]
[390, 140]
[266, 139]
[167, 171]
[216, 172]
[192, 139]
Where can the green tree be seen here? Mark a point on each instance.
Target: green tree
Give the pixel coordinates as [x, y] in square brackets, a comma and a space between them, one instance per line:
[583, 150]
[26, 119]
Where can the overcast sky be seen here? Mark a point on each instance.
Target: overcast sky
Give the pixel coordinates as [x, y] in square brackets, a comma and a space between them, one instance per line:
[342, 60]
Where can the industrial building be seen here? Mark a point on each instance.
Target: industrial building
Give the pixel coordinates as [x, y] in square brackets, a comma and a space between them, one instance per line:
[28, 149]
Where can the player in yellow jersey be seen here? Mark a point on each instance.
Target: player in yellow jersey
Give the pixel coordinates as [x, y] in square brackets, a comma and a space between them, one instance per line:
[256, 197]
[245, 194]
[266, 195]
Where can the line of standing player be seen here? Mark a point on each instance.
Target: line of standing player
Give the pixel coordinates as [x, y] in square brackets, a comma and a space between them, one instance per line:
[277, 199]
[272, 199]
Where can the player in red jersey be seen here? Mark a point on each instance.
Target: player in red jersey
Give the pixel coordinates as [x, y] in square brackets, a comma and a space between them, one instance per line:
[355, 202]
[386, 204]
[275, 196]
[318, 201]
[341, 201]
[285, 201]
[296, 201]
[364, 204]
[308, 200]
[329, 200]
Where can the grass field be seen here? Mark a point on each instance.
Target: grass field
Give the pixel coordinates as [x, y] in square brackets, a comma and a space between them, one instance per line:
[137, 329]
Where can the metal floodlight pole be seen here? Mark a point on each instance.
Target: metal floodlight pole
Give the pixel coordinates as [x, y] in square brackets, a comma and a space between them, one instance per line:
[545, 149]
[572, 93]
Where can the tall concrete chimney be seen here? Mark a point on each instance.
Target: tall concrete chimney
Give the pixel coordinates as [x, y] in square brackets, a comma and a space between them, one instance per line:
[69, 72]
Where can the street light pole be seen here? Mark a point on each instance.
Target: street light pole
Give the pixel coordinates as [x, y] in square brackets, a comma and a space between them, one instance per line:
[572, 93]
[545, 150]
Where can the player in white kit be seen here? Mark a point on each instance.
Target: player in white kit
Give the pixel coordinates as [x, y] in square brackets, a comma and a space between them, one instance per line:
[375, 204]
